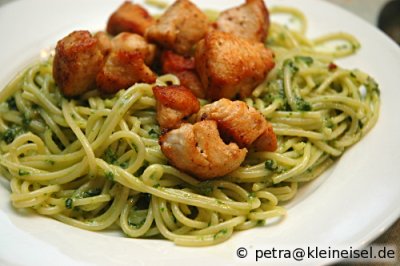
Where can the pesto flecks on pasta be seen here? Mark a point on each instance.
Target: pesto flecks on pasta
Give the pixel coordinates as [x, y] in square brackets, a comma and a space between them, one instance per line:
[95, 162]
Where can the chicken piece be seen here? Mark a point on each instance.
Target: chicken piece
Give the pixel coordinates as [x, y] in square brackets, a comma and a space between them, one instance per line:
[239, 123]
[267, 140]
[123, 69]
[172, 63]
[249, 21]
[179, 28]
[104, 42]
[199, 150]
[174, 103]
[78, 59]
[229, 66]
[184, 69]
[190, 80]
[130, 42]
[129, 17]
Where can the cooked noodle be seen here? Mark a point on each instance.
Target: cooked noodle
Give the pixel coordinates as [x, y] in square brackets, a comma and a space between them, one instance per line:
[95, 162]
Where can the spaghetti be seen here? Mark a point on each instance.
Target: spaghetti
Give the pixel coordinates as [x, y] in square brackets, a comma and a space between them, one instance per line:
[95, 162]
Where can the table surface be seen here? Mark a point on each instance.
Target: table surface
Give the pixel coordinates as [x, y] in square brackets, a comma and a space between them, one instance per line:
[369, 11]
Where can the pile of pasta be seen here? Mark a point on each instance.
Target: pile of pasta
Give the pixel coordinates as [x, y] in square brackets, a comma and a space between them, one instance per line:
[95, 162]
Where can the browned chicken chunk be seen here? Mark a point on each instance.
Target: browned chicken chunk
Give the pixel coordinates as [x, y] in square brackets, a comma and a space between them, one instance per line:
[104, 42]
[179, 28]
[172, 62]
[229, 66]
[199, 150]
[78, 59]
[240, 123]
[267, 140]
[249, 21]
[123, 69]
[130, 42]
[184, 69]
[129, 18]
[174, 103]
[190, 80]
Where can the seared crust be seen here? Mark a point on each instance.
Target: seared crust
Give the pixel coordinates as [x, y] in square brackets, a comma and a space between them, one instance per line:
[123, 69]
[131, 42]
[198, 149]
[172, 63]
[78, 59]
[240, 123]
[179, 28]
[249, 21]
[129, 18]
[190, 80]
[267, 140]
[174, 103]
[184, 69]
[104, 42]
[229, 66]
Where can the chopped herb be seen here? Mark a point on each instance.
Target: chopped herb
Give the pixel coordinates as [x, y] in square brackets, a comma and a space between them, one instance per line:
[252, 195]
[124, 165]
[26, 120]
[134, 146]
[271, 165]
[285, 107]
[92, 192]
[372, 86]
[137, 218]
[306, 59]
[22, 172]
[11, 103]
[260, 222]
[221, 233]
[303, 105]
[162, 209]
[109, 175]
[11, 133]
[280, 170]
[51, 162]
[329, 123]
[292, 67]
[206, 190]
[153, 134]
[156, 185]
[109, 156]
[68, 203]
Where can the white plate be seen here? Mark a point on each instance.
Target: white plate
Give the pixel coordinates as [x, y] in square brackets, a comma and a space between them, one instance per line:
[351, 205]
